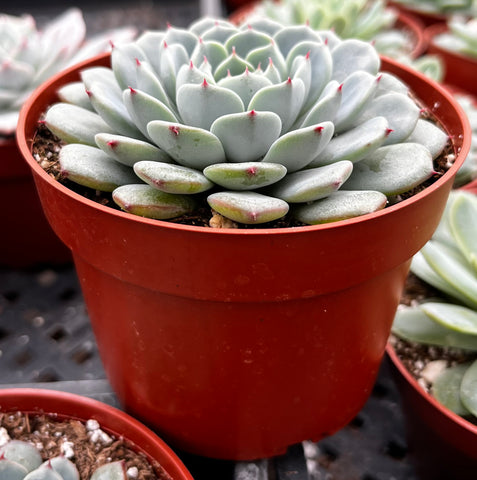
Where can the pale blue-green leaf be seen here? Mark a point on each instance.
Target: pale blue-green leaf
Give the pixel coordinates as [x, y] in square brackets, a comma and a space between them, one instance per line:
[245, 85]
[232, 65]
[128, 150]
[329, 38]
[191, 74]
[75, 94]
[285, 99]
[468, 388]
[246, 40]
[184, 37]
[292, 35]
[447, 389]
[66, 468]
[392, 169]
[262, 56]
[10, 470]
[214, 52]
[413, 325]
[22, 452]
[200, 105]
[357, 90]
[91, 167]
[271, 72]
[101, 75]
[340, 205]
[455, 317]
[172, 57]
[15, 75]
[113, 111]
[390, 83]
[124, 59]
[148, 82]
[248, 207]
[296, 149]
[450, 264]
[148, 43]
[147, 201]
[354, 55]
[171, 178]
[312, 184]
[200, 26]
[43, 474]
[263, 24]
[400, 111]
[247, 136]
[110, 471]
[463, 224]
[190, 146]
[219, 33]
[143, 108]
[8, 122]
[429, 135]
[245, 175]
[301, 69]
[355, 144]
[74, 124]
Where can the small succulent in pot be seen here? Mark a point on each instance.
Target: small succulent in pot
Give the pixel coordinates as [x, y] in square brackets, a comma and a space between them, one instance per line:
[28, 56]
[446, 322]
[461, 37]
[259, 120]
[440, 7]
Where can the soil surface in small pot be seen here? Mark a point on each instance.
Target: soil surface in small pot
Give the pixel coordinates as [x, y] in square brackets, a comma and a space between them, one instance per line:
[86, 446]
[415, 356]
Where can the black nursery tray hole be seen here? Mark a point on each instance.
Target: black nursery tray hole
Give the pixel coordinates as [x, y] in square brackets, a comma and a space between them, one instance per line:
[58, 334]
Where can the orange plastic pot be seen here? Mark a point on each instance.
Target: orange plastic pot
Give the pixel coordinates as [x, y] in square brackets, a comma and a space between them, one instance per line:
[460, 70]
[65, 405]
[232, 343]
[442, 444]
[26, 238]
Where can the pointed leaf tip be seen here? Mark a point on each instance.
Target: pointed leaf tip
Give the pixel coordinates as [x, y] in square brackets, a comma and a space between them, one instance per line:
[175, 130]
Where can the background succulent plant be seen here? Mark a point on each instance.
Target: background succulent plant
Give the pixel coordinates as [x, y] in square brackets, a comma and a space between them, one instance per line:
[29, 56]
[461, 36]
[448, 262]
[442, 7]
[260, 117]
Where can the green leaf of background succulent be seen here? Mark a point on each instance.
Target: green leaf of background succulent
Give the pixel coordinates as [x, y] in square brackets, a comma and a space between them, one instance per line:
[447, 389]
[296, 149]
[128, 150]
[172, 178]
[378, 171]
[74, 124]
[189, 146]
[414, 325]
[312, 184]
[247, 207]
[91, 167]
[147, 201]
[247, 136]
[245, 175]
[452, 316]
[468, 388]
[340, 205]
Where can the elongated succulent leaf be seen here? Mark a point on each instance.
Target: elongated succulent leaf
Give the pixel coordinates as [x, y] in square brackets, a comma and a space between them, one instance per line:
[296, 149]
[447, 389]
[247, 136]
[246, 40]
[312, 184]
[248, 207]
[66, 468]
[232, 65]
[452, 316]
[414, 325]
[104, 76]
[429, 135]
[392, 169]
[147, 201]
[191, 74]
[148, 82]
[325, 109]
[171, 58]
[214, 52]
[74, 124]
[15, 75]
[269, 53]
[171, 178]
[10, 470]
[75, 94]
[340, 205]
[128, 151]
[181, 36]
[468, 388]
[124, 60]
[24, 453]
[245, 175]
[91, 167]
[110, 471]
[43, 474]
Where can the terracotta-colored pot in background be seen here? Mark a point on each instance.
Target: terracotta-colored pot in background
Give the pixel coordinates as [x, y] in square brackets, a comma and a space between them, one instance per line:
[427, 18]
[238, 343]
[26, 238]
[442, 444]
[460, 70]
[113, 421]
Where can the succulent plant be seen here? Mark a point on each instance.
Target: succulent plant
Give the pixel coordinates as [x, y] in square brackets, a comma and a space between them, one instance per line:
[260, 118]
[29, 56]
[461, 37]
[441, 7]
[448, 262]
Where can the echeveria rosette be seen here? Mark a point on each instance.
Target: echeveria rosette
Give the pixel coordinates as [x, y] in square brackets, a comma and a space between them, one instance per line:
[461, 37]
[448, 262]
[441, 7]
[259, 119]
[29, 56]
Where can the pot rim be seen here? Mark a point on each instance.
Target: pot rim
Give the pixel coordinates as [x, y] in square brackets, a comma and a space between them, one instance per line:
[393, 356]
[16, 399]
[386, 63]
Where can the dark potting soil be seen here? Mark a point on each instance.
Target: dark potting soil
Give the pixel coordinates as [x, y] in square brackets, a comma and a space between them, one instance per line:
[89, 447]
[46, 148]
